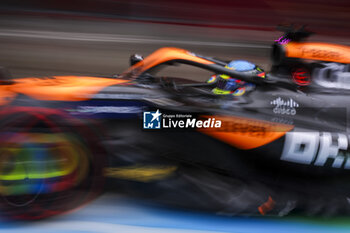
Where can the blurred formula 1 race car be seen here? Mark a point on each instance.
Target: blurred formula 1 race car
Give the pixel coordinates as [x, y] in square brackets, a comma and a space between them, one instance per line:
[244, 142]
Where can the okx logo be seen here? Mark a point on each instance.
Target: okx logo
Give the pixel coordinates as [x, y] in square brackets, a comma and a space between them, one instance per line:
[151, 120]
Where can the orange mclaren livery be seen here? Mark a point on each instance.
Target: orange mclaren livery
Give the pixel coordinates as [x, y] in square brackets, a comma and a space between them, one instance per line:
[240, 142]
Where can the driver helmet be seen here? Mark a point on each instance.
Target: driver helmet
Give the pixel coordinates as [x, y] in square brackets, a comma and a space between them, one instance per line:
[226, 85]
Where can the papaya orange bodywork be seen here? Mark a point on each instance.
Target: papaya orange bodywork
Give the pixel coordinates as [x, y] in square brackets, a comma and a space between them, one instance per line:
[59, 88]
[245, 133]
[163, 55]
[318, 51]
[74, 88]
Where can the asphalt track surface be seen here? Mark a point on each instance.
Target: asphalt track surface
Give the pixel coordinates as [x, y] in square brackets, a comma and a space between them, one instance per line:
[114, 214]
[45, 46]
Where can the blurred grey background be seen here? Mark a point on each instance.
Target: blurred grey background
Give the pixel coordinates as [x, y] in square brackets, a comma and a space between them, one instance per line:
[60, 37]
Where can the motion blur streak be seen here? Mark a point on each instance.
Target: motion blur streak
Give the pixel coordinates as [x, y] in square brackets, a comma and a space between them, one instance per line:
[113, 213]
[42, 161]
[252, 14]
[115, 38]
[90, 226]
[31, 46]
[95, 38]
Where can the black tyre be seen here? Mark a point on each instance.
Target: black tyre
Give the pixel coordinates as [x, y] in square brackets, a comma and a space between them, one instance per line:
[50, 163]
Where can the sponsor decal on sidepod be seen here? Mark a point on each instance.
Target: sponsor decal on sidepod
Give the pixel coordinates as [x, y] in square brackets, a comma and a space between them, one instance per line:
[317, 148]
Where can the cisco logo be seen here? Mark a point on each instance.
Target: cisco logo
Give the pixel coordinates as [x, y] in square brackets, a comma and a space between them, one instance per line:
[284, 107]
